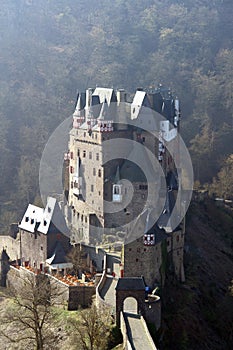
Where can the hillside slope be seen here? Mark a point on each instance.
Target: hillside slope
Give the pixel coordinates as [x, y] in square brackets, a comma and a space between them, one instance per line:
[199, 313]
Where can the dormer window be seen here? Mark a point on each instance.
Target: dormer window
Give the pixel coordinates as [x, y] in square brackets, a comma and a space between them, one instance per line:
[117, 193]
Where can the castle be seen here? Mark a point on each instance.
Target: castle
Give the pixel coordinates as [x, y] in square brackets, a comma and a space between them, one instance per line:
[113, 189]
[121, 185]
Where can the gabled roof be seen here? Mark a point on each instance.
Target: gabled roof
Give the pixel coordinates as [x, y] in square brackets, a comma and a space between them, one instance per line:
[140, 100]
[130, 283]
[43, 220]
[105, 94]
[32, 217]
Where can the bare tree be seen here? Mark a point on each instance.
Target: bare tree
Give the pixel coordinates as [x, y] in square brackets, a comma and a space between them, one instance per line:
[27, 319]
[77, 257]
[91, 329]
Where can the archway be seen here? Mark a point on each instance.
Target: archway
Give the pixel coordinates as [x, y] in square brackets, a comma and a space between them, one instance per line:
[132, 288]
[130, 305]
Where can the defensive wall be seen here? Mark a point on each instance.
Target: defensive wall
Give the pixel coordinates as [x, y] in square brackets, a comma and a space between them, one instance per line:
[70, 297]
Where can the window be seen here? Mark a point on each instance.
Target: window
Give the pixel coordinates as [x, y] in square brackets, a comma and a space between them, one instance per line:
[97, 156]
[177, 238]
[92, 188]
[94, 171]
[78, 153]
[143, 187]
[99, 173]
[143, 139]
[116, 189]
[90, 155]
[84, 154]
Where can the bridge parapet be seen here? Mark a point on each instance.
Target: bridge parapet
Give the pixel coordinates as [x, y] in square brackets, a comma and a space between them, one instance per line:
[126, 342]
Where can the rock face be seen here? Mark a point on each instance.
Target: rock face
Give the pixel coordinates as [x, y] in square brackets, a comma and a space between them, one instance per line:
[199, 313]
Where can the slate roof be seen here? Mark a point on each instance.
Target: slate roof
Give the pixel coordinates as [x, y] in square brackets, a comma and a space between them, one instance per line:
[58, 256]
[140, 100]
[32, 217]
[164, 220]
[130, 283]
[105, 94]
[44, 220]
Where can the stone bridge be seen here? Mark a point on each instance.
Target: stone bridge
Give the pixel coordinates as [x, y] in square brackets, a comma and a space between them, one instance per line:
[125, 297]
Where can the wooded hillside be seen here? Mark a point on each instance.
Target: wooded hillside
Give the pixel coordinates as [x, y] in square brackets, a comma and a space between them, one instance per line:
[49, 49]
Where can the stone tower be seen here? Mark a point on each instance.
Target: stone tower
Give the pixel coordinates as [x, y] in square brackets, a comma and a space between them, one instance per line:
[98, 208]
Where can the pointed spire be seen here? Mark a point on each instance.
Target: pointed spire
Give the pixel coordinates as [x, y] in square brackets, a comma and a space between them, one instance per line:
[117, 176]
[77, 112]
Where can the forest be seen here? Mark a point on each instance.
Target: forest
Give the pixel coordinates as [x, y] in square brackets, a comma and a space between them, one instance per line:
[50, 49]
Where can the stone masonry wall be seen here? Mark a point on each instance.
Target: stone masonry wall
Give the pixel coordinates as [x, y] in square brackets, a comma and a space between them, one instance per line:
[140, 260]
[11, 245]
